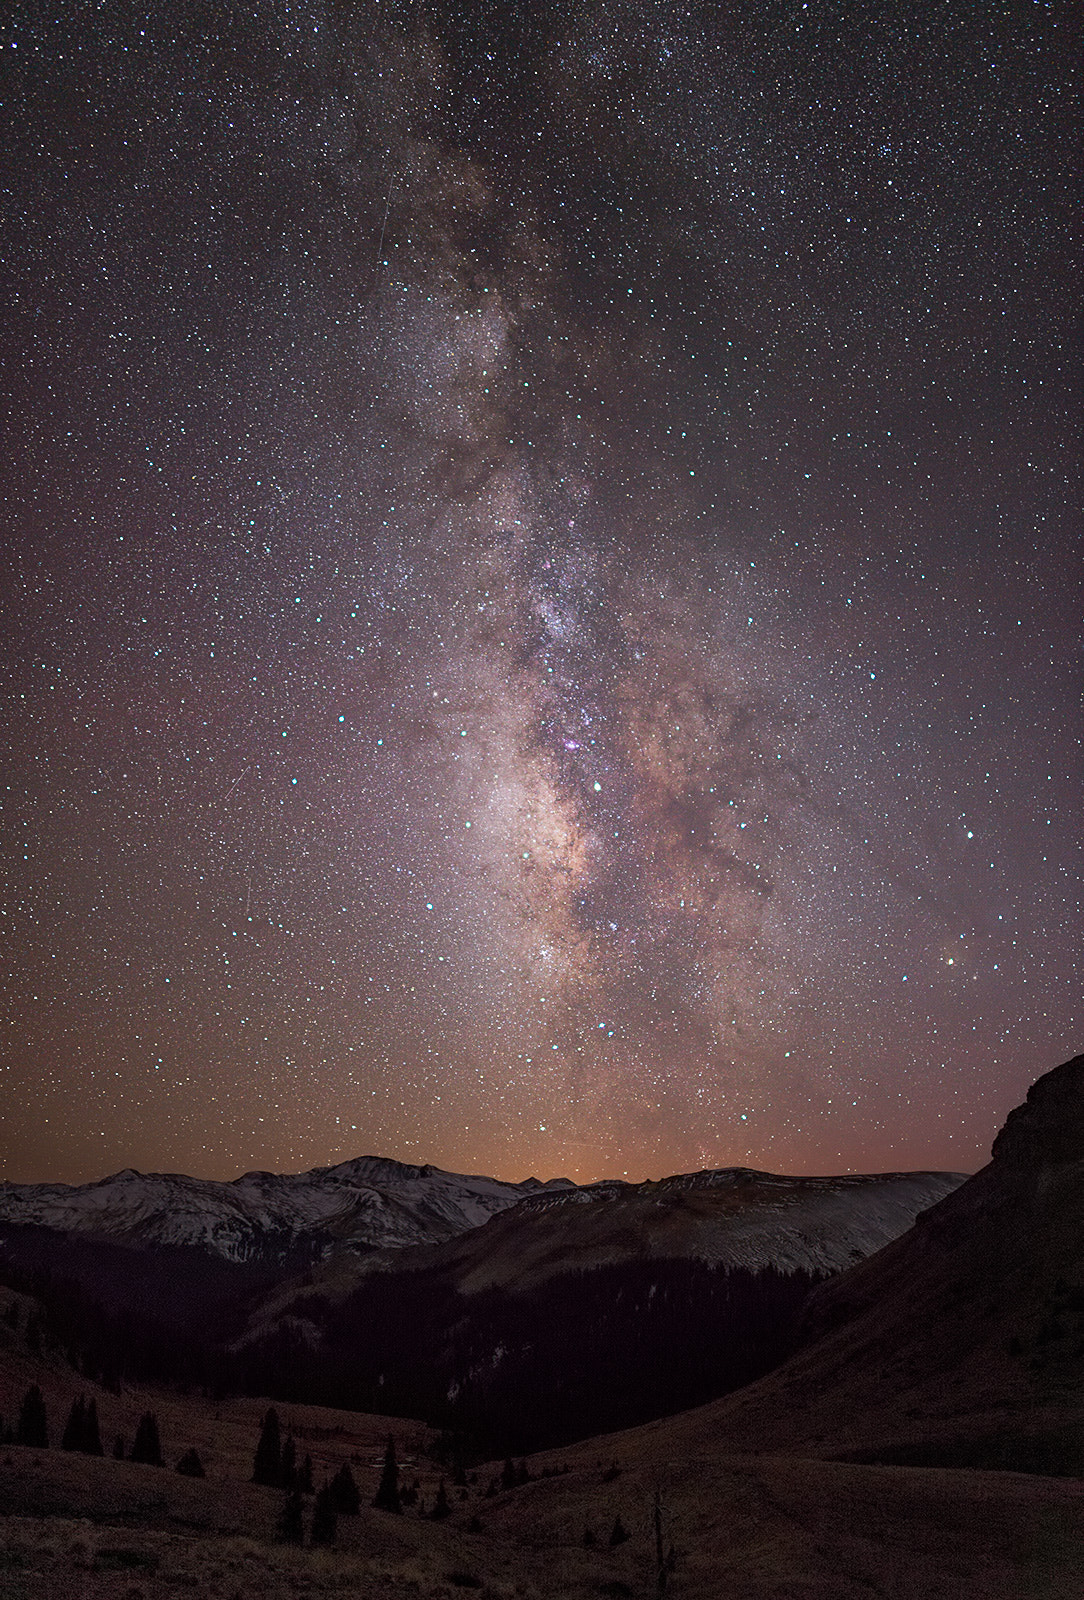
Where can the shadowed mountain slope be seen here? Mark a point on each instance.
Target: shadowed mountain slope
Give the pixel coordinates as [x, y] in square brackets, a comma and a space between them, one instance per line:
[959, 1344]
[677, 1290]
[731, 1218]
[571, 1314]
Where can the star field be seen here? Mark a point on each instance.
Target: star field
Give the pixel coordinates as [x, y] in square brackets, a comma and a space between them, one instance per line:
[542, 585]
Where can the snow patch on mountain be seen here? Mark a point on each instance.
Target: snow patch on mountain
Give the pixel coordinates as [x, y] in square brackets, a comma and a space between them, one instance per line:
[370, 1202]
[729, 1217]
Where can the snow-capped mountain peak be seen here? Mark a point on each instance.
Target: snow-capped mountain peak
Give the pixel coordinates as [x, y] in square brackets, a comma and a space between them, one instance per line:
[368, 1202]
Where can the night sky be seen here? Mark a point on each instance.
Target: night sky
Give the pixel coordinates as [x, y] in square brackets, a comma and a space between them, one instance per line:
[542, 585]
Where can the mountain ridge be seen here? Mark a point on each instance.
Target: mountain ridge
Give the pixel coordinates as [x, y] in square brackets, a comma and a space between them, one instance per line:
[367, 1203]
[372, 1202]
[961, 1342]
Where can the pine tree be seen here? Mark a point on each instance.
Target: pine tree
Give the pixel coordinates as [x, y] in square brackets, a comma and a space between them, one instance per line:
[344, 1492]
[190, 1465]
[81, 1431]
[304, 1476]
[386, 1497]
[92, 1435]
[267, 1462]
[288, 1464]
[290, 1528]
[33, 1424]
[118, 1447]
[441, 1508]
[618, 1533]
[72, 1437]
[324, 1520]
[147, 1446]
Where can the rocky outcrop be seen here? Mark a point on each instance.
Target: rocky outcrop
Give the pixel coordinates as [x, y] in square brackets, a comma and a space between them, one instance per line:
[1048, 1129]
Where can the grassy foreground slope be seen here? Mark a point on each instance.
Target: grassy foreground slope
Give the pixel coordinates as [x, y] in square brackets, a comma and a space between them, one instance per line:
[742, 1528]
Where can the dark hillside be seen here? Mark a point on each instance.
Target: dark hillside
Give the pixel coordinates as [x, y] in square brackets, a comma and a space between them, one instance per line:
[962, 1342]
[583, 1353]
[122, 1312]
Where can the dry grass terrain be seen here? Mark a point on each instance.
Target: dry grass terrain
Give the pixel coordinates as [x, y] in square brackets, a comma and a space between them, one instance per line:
[743, 1527]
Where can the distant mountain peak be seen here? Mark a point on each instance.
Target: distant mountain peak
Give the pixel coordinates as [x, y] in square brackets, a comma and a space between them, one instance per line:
[364, 1203]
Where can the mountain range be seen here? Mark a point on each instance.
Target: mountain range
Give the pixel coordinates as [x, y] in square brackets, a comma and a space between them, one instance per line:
[914, 1427]
[379, 1286]
[371, 1202]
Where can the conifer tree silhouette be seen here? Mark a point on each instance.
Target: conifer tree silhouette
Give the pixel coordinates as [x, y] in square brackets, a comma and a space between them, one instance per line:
[386, 1497]
[33, 1425]
[290, 1528]
[190, 1465]
[324, 1520]
[441, 1508]
[267, 1462]
[72, 1437]
[92, 1434]
[81, 1430]
[344, 1492]
[147, 1446]
[288, 1464]
[618, 1533]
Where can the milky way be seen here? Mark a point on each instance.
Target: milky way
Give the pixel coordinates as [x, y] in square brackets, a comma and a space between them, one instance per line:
[543, 572]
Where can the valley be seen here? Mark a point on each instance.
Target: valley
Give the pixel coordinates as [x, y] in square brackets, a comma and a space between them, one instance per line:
[920, 1435]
